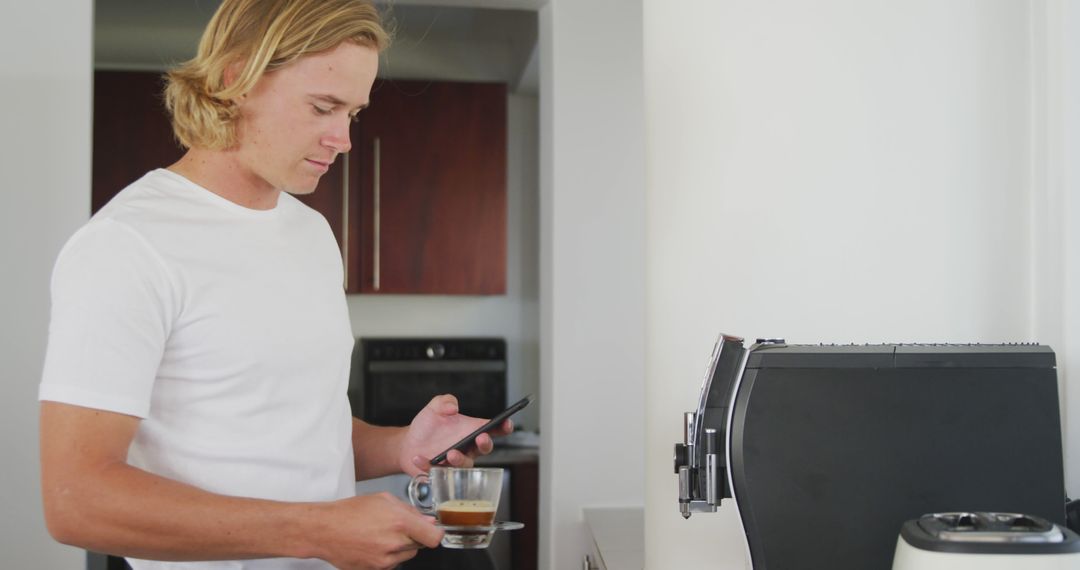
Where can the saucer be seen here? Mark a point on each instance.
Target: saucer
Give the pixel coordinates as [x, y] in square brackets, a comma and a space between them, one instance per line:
[498, 525]
[468, 537]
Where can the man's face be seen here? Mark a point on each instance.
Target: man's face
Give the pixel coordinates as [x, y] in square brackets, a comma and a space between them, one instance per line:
[296, 120]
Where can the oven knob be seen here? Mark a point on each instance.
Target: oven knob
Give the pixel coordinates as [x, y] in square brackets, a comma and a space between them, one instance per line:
[435, 351]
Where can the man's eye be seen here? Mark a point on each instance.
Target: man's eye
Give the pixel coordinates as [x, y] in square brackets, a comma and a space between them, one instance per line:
[321, 111]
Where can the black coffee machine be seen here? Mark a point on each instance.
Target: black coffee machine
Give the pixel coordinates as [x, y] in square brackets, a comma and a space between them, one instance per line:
[828, 449]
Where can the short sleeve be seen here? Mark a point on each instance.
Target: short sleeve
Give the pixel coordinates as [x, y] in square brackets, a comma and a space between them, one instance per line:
[112, 309]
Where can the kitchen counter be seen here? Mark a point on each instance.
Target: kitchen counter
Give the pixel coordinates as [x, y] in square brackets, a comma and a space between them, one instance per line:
[506, 456]
[618, 535]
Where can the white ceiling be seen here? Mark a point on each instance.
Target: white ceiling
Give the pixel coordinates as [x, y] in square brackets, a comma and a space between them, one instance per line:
[439, 39]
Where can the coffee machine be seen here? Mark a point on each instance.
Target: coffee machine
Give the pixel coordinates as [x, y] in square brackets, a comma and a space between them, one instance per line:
[826, 450]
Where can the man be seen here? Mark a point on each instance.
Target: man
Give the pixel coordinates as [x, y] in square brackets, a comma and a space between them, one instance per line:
[193, 397]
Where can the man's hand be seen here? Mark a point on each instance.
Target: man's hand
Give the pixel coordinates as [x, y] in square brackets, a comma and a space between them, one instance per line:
[374, 532]
[437, 427]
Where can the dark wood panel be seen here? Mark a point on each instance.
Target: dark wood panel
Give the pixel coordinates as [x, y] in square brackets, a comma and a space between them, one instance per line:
[132, 132]
[524, 504]
[442, 179]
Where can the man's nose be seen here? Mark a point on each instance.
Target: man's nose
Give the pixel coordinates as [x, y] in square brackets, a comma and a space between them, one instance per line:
[338, 139]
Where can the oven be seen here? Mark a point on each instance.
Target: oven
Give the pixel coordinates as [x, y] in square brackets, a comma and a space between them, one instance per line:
[394, 378]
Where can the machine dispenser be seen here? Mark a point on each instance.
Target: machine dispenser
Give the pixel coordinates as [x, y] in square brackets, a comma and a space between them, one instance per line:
[826, 450]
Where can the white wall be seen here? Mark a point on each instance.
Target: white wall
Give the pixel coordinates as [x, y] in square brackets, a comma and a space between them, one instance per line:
[592, 271]
[45, 166]
[1056, 202]
[1068, 45]
[840, 170]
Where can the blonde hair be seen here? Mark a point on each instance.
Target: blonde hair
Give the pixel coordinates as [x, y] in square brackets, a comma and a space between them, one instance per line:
[261, 36]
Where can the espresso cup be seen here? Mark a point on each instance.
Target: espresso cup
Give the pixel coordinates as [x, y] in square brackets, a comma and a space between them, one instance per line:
[463, 500]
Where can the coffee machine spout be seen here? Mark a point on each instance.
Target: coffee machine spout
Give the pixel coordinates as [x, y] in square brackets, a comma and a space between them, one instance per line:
[684, 491]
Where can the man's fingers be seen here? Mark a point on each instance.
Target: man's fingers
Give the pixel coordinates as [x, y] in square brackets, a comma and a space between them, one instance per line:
[445, 404]
[410, 545]
[422, 463]
[422, 530]
[458, 459]
[484, 444]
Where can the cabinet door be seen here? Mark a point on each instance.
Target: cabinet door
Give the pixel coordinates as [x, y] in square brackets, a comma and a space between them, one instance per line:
[429, 164]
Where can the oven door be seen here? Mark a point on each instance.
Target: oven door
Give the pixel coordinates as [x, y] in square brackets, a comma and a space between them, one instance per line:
[393, 379]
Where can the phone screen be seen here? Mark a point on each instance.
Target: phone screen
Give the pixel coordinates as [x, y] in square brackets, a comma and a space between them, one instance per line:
[466, 441]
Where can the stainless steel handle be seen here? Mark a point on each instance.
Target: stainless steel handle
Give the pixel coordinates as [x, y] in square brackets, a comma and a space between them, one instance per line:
[345, 218]
[690, 437]
[712, 471]
[587, 564]
[376, 213]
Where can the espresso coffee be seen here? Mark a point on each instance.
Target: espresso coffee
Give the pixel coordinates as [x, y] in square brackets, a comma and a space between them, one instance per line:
[466, 513]
[463, 499]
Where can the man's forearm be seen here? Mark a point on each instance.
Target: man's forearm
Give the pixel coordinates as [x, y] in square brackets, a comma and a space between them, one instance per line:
[376, 449]
[120, 509]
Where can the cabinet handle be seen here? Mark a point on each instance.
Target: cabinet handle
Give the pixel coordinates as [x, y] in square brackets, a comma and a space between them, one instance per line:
[345, 218]
[375, 207]
[586, 563]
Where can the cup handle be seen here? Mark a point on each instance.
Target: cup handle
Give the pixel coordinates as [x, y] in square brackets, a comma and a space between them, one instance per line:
[420, 494]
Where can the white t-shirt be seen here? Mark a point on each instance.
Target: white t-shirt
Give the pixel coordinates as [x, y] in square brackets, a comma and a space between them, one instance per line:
[224, 328]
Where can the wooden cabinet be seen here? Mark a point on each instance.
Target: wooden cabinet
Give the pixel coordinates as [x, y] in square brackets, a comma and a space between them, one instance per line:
[418, 206]
[430, 185]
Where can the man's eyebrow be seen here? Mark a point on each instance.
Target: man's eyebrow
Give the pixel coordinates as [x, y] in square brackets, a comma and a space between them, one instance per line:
[335, 101]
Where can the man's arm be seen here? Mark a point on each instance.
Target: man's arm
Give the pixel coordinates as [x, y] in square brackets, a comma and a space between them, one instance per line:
[380, 451]
[376, 449]
[95, 500]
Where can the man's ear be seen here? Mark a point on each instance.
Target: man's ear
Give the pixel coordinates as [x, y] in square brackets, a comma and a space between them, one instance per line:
[232, 71]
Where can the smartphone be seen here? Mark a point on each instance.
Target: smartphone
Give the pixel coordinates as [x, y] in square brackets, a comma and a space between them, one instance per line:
[466, 441]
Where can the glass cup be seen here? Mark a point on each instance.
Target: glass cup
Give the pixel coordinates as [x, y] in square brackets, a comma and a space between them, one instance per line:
[463, 500]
